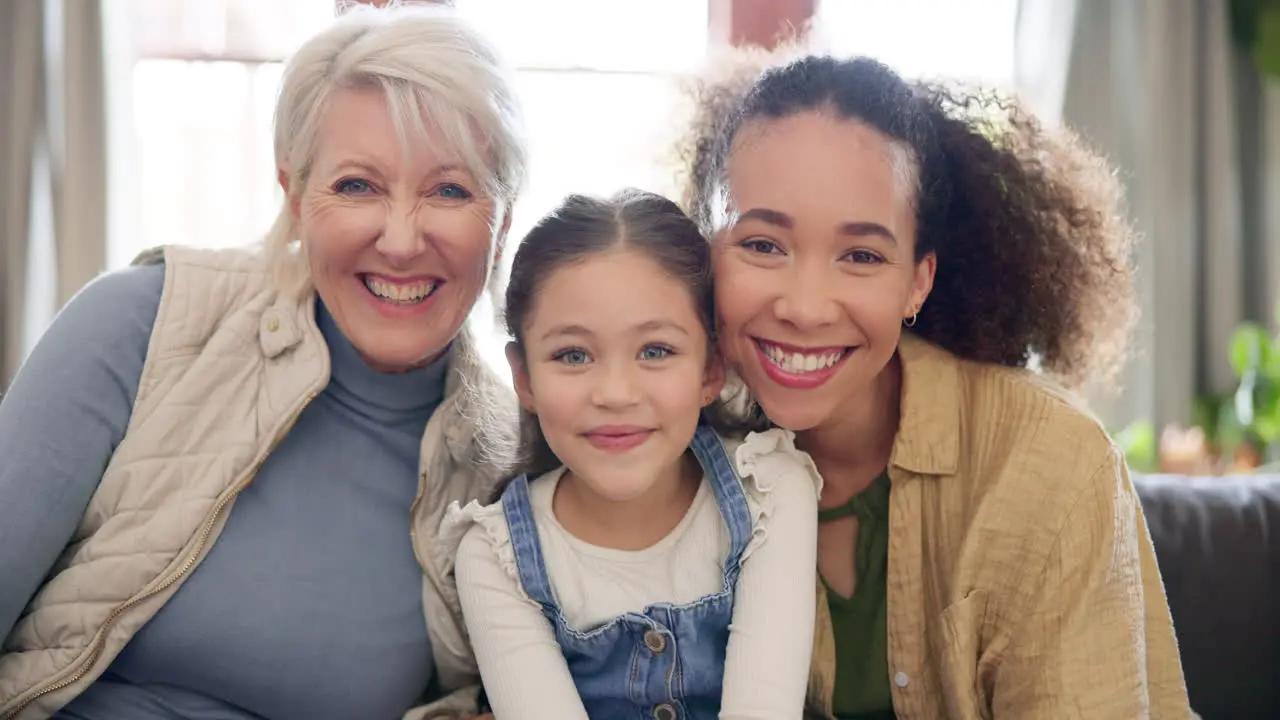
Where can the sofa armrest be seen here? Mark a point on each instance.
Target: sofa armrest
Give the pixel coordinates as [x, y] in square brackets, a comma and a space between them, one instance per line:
[1217, 542]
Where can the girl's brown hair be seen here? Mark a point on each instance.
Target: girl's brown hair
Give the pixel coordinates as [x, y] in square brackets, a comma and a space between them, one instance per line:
[583, 226]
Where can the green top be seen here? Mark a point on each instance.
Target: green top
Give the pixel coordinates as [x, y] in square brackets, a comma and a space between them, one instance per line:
[858, 622]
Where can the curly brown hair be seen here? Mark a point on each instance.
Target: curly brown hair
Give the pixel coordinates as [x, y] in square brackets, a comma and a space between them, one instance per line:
[1033, 248]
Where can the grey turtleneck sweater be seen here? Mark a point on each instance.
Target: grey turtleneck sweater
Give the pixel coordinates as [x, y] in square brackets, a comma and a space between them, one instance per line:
[310, 603]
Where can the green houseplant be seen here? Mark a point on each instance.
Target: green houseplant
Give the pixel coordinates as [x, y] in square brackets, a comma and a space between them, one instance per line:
[1241, 427]
[1253, 414]
[1256, 27]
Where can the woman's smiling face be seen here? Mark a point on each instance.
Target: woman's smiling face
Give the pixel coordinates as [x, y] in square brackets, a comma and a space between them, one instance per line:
[815, 269]
[400, 243]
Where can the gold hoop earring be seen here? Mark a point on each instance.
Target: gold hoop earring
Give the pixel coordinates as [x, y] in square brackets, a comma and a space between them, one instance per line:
[911, 321]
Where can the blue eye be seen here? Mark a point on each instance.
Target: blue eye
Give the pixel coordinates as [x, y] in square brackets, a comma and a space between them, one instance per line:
[655, 352]
[761, 246]
[572, 356]
[352, 186]
[454, 191]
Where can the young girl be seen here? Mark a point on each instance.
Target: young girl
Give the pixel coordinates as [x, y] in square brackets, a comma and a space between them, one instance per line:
[644, 566]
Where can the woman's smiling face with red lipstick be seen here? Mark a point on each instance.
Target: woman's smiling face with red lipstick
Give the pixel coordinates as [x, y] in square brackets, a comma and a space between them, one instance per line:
[816, 268]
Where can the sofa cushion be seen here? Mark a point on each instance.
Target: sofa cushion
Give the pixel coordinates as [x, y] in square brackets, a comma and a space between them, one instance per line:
[1217, 542]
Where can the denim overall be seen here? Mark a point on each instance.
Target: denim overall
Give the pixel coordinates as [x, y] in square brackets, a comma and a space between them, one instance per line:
[667, 661]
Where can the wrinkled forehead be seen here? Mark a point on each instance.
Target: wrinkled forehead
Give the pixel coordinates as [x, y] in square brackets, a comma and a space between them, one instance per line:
[401, 127]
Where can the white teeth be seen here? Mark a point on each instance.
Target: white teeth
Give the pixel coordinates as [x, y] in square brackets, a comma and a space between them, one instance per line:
[397, 293]
[795, 362]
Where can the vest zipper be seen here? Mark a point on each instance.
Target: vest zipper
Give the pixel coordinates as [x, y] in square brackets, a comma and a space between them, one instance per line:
[205, 531]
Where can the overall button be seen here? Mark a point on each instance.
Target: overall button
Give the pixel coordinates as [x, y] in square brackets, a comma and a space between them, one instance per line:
[664, 712]
[656, 642]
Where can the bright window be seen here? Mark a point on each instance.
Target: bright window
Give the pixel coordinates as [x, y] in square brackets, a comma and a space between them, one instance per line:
[926, 38]
[196, 142]
[653, 36]
[596, 78]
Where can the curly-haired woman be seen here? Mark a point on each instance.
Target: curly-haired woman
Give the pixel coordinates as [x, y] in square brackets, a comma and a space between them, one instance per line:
[981, 549]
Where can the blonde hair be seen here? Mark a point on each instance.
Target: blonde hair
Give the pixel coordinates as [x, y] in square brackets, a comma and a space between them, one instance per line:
[431, 66]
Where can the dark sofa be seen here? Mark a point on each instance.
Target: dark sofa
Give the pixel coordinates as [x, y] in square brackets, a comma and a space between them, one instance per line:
[1217, 542]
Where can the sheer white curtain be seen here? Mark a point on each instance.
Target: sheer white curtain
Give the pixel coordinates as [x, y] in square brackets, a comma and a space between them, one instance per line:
[21, 62]
[53, 159]
[1160, 87]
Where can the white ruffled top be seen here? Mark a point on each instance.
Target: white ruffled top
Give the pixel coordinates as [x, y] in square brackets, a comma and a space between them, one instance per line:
[774, 600]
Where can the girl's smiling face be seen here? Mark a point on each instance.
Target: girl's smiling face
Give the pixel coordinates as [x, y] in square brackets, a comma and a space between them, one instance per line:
[616, 367]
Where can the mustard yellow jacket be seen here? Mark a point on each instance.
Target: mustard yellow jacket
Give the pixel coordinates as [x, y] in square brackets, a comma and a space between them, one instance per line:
[1022, 582]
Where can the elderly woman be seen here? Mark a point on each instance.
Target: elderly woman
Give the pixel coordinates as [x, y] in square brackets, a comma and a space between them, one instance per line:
[220, 472]
[981, 549]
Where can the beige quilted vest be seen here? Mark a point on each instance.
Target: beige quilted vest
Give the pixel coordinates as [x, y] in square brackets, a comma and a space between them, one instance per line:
[230, 366]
